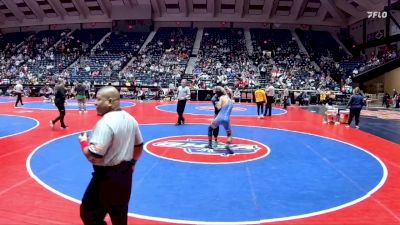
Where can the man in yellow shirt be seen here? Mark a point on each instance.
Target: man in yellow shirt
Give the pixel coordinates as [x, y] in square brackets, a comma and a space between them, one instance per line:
[260, 101]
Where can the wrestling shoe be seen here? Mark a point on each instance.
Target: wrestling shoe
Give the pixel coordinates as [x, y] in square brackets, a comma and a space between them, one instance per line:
[229, 150]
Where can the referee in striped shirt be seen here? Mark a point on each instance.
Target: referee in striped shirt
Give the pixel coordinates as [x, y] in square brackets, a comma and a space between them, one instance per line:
[18, 90]
[183, 96]
[113, 150]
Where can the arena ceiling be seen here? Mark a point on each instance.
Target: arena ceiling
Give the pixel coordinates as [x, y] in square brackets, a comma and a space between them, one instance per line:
[314, 12]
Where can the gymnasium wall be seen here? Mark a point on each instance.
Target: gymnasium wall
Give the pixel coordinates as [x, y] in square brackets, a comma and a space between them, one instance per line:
[393, 28]
[357, 32]
[159, 24]
[384, 83]
[392, 80]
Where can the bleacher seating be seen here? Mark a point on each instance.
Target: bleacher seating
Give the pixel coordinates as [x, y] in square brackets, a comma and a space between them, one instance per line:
[43, 61]
[108, 59]
[282, 64]
[321, 43]
[223, 58]
[325, 51]
[164, 59]
[274, 40]
[13, 53]
[128, 42]
[9, 41]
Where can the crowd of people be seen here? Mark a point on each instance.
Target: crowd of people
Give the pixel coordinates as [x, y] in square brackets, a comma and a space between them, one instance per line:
[163, 59]
[223, 59]
[44, 57]
[222, 63]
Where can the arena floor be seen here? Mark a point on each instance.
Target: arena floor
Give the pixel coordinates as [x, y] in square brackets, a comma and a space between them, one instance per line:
[379, 121]
[288, 168]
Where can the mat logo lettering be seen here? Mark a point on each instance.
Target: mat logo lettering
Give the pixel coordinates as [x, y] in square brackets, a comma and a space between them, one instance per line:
[211, 108]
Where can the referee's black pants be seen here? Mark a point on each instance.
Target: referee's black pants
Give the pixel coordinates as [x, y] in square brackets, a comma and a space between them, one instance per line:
[61, 109]
[19, 99]
[108, 192]
[180, 109]
[87, 94]
[354, 113]
[268, 106]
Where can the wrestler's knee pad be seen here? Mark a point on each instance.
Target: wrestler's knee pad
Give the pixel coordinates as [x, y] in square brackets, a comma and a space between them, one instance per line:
[210, 131]
[228, 133]
[216, 132]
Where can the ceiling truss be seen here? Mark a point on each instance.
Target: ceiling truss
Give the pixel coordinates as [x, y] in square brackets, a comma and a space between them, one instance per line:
[324, 12]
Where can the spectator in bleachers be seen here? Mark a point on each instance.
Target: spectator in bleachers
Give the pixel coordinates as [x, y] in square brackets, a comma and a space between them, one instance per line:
[47, 93]
[9, 91]
[237, 95]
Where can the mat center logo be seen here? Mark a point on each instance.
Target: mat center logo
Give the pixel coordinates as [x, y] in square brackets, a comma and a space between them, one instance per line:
[194, 149]
[76, 104]
[211, 108]
[201, 147]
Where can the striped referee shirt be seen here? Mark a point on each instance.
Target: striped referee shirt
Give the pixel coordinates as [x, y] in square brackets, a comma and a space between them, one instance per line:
[183, 92]
[114, 138]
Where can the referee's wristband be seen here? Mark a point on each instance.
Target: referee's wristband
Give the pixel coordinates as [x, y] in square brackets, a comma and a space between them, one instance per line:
[84, 144]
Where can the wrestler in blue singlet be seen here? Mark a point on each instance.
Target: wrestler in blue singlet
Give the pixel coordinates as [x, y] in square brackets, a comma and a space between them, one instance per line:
[223, 118]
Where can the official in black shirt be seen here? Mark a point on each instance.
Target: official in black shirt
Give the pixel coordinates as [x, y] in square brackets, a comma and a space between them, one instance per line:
[355, 105]
[59, 100]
